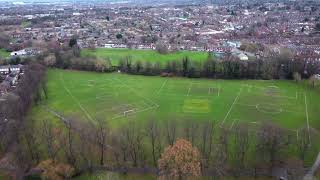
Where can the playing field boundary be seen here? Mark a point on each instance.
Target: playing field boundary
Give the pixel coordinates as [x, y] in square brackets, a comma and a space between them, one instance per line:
[307, 115]
[75, 99]
[190, 86]
[163, 84]
[234, 102]
[138, 94]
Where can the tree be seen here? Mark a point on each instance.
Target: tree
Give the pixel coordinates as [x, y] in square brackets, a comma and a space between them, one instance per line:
[185, 66]
[271, 140]
[101, 65]
[49, 139]
[171, 130]
[101, 138]
[317, 28]
[57, 171]
[50, 60]
[180, 160]
[206, 146]
[209, 66]
[191, 130]
[131, 144]
[241, 145]
[296, 77]
[154, 133]
[162, 48]
[313, 81]
[119, 36]
[303, 142]
[4, 41]
[73, 42]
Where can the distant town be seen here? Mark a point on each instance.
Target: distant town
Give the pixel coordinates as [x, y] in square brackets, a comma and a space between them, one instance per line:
[213, 28]
[166, 89]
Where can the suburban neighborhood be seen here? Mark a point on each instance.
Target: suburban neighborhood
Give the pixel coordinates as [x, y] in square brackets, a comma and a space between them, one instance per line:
[159, 90]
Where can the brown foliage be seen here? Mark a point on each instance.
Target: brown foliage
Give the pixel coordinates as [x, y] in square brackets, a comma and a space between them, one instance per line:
[52, 170]
[180, 160]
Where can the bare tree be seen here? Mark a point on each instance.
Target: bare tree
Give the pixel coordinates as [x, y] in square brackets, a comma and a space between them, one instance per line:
[191, 131]
[297, 77]
[171, 130]
[101, 137]
[241, 145]
[86, 145]
[224, 141]
[162, 48]
[313, 81]
[132, 144]
[154, 133]
[219, 161]
[31, 142]
[207, 141]
[271, 140]
[303, 142]
[69, 142]
[49, 139]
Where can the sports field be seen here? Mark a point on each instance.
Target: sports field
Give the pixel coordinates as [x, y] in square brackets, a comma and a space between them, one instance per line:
[4, 53]
[115, 55]
[118, 98]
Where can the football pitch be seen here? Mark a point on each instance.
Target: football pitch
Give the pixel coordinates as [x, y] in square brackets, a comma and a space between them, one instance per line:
[115, 55]
[117, 98]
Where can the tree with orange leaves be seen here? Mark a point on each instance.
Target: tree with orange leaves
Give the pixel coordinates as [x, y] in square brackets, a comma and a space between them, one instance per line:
[180, 161]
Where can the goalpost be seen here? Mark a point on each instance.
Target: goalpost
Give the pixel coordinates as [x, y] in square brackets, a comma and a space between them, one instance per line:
[125, 113]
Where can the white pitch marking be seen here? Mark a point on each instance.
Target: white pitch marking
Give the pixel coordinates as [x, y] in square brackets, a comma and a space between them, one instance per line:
[138, 94]
[163, 84]
[189, 89]
[249, 88]
[233, 122]
[234, 102]
[75, 99]
[307, 115]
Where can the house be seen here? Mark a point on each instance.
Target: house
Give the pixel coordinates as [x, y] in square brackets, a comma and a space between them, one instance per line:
[4, 69]
[22, 52]
[16, 68]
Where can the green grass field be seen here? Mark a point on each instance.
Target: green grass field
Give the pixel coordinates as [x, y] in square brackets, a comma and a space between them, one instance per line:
[115, 97]
[116, 55]
[4, 53]
[119, 99]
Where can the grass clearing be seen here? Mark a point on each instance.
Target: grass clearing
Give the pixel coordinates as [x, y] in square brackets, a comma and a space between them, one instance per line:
[116, 55]
[4, 53]
[111, 95]
[118, 98]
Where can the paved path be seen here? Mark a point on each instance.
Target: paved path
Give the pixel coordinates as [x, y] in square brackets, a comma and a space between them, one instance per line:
[314, 168]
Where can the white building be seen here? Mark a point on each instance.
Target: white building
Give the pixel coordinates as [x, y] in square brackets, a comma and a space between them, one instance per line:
[22, 52]
[4, 69]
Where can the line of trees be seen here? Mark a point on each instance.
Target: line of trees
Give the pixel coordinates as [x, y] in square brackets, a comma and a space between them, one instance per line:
[84, 147]
[282, 65]
[13, 110]
[228, 67]
[275, 66]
